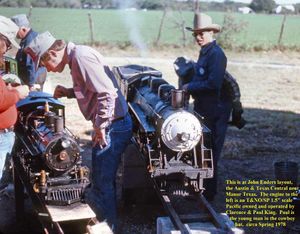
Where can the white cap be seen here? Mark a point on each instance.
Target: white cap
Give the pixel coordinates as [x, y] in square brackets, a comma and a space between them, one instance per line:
[9, 29]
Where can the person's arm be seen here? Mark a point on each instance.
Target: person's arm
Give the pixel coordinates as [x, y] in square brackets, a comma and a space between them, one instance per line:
[61, 91]
[97, 80]
[30, 69]
[216, 69]
[8, 97]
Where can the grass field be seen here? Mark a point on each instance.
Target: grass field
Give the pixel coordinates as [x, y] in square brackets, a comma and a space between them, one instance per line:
[117, 26]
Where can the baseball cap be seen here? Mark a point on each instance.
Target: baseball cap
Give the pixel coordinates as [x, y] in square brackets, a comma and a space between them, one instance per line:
[39, 45]
[21, 20]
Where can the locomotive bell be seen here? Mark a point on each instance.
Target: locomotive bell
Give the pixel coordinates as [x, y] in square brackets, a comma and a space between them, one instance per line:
[181, 131]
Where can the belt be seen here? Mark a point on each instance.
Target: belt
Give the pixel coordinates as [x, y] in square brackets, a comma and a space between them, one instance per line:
[5, 130]
[117, 119]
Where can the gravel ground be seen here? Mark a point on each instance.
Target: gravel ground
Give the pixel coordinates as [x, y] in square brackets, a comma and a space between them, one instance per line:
[271, 100]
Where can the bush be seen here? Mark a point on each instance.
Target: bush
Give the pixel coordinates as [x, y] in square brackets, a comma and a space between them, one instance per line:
[229, 29]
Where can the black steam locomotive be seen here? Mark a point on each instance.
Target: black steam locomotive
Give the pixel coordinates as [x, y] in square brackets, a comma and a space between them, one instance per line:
[173, 141]
[47, 154]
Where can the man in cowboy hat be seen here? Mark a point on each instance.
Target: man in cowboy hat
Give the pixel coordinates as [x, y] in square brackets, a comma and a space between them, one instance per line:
[26, 68]
[9, 96]
[205, 86]
[101, 102]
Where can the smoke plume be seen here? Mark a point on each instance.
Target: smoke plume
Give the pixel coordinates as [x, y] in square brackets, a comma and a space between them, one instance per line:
[130, 20]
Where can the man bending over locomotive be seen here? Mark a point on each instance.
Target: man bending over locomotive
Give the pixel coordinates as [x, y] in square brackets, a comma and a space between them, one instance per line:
[100, 100]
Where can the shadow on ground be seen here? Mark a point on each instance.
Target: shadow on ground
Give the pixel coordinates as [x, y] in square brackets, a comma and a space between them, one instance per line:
[249, 153]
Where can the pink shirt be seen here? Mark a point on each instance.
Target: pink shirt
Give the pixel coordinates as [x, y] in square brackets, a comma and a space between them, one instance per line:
[95, 86]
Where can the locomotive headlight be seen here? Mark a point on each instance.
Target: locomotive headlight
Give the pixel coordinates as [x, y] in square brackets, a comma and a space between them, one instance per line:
[181, 131]
[65, 143]
[183, 137]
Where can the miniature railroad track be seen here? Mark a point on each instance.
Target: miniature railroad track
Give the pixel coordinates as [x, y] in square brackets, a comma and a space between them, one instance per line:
[184, 206]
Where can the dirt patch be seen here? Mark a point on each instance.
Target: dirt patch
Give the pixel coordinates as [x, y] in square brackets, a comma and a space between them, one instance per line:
[270, 97]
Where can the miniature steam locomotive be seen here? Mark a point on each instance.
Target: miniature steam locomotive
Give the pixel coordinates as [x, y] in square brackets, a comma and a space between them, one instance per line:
[173, 141]
[47, 153]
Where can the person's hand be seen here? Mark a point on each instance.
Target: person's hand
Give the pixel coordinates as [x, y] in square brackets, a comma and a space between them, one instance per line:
[60, 91]
[99, 137]
[35, 87]
[23, 91]
[185, 87]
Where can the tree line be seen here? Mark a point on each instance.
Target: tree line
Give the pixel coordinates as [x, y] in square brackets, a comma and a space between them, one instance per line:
[264, 6]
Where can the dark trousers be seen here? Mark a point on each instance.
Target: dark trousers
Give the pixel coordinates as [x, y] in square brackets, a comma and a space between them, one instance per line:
[216, 118]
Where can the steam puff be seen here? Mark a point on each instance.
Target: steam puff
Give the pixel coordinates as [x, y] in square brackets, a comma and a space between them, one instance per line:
[130, 20]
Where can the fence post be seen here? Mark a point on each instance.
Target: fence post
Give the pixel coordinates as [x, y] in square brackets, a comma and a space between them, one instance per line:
[281, 30]
[161, 26]
[197, 6]
[29, 13]
[91, 28]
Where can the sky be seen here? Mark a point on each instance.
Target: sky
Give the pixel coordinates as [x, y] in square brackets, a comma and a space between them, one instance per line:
[249, 1]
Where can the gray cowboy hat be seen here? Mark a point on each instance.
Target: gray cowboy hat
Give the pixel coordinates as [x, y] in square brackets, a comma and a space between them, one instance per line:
[203, 22]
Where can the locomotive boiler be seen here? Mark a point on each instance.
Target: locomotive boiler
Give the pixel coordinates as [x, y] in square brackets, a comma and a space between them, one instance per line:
[46, 153]
[173, 140]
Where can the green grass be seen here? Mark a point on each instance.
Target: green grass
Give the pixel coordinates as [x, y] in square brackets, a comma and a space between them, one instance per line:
[113, 26]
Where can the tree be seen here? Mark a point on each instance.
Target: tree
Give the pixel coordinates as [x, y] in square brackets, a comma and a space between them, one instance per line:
[262, 5]
[24, 3]
[151, 4]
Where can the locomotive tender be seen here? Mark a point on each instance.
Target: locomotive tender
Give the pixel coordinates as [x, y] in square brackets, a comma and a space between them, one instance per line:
[173, 140]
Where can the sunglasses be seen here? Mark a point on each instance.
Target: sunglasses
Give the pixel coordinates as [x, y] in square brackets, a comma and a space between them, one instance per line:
[201, 34]
[7, 42]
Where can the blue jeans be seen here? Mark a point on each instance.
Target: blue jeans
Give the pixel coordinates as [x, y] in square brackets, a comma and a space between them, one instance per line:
[6, 144]
[105, 163]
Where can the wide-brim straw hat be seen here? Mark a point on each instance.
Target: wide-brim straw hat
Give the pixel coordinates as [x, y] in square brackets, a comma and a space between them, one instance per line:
[203, 22]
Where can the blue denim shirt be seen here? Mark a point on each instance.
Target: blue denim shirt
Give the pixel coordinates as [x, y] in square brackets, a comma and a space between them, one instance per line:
[26, 65]
[209, 71]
